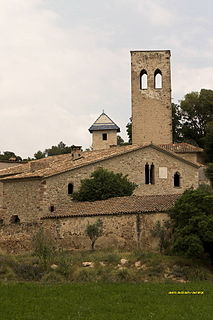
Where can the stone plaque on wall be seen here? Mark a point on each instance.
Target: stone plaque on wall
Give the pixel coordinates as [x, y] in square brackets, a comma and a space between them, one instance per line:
[163, 172]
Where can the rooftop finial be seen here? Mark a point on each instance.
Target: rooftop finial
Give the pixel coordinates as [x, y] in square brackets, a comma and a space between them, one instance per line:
[103, 111]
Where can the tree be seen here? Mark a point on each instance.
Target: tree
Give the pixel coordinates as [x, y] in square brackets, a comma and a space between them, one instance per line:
[176, 123]
[208, 142]
[104, 184]
[120, 141]
[39, 155]
[192, 219]
[196, 110]
[8, 155]
[129, 130]
[61, 148]
[94, 231]
[209, 172]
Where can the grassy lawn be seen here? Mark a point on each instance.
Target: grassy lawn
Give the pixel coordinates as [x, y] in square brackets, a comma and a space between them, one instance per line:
[91, 301]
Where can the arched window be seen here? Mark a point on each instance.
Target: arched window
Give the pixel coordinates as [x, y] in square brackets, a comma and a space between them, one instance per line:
[143, 80]
[149, 174]
[177, 179]
[14, 219]
[158, 79]
[70, 188]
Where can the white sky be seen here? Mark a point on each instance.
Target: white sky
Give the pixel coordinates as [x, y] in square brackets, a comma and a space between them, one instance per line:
[63, 61]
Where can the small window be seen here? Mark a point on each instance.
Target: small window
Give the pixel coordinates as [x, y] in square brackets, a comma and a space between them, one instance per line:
[177, 179]
[52, 208]
[143, 80]
[158, 79]
[104, 136]
[15, 219]
[70, 188]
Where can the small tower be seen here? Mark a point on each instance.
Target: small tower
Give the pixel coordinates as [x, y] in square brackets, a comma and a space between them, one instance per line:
[104, 133]
[151, 97]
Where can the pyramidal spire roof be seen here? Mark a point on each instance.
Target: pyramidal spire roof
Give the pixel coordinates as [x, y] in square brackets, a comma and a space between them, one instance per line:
[104, 123]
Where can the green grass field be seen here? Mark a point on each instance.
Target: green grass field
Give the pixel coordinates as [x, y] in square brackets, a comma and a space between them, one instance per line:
[118, 301]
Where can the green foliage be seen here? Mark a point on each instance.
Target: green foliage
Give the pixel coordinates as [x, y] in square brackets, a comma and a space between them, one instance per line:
[28, 272]
[208, 142]
[94, 231]
[44, 247]
[196, 112]
[102, 185]
[162, 231]
[39, 155]
[129, 130]
[8, 155]
[53, 277]
[209, 172]
[61, 148]
[192, 216]
[176, 123]
[120, 141]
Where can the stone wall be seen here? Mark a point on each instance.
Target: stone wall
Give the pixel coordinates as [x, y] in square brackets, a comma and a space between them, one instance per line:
[121, 231]
[151, 107]
[132, 164]
[22, 198]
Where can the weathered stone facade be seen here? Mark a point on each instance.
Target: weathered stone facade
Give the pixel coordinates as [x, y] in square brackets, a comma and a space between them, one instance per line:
[151, 106]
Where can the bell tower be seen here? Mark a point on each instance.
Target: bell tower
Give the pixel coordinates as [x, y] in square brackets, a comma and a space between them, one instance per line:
[151, 97]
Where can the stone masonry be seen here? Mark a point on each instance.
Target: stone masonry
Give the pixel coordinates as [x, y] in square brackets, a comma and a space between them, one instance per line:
[151, 107]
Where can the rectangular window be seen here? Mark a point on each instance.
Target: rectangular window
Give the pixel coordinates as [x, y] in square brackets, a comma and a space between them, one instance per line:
[104, 136]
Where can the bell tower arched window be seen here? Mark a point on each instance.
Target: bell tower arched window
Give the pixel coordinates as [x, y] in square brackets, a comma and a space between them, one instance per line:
[143, 80]
[158, 83]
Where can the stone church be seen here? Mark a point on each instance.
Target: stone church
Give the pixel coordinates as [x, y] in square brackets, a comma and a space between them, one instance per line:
[41, 190]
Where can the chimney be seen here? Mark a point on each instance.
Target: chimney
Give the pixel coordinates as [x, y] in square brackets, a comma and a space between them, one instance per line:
[76, 152]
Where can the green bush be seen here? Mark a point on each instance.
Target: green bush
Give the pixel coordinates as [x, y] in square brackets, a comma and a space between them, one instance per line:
[7, 273]
[53, 277]
[104, 184]
[28, 272]
[44, 247]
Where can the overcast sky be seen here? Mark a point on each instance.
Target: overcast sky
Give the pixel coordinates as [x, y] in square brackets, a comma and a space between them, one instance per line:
[63, 61]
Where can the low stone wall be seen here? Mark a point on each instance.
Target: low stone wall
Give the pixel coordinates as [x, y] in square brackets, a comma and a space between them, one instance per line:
[119, 231]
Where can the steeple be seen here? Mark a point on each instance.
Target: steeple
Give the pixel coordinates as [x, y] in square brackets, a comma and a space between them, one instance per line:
[104, 132]
[151, 97]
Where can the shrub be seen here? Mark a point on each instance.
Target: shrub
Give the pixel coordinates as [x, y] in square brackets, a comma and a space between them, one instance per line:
[44, 247]
[52, 277]
[28, 272]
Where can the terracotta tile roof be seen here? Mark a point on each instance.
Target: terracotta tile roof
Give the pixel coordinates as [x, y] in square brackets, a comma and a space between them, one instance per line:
[118, 205]
[180, 147]
[53, 165]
